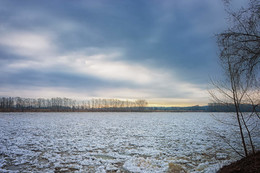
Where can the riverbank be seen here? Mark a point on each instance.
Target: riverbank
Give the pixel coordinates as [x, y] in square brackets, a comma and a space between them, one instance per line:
[249, 164]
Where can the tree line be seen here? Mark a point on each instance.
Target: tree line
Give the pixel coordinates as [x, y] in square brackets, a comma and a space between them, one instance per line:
[58, 104]
[66, 104]
[230, 107]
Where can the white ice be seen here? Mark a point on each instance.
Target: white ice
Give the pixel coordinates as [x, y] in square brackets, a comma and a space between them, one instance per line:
[116, 142]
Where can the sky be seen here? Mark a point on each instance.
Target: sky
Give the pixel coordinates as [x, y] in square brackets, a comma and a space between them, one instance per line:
[163, 51]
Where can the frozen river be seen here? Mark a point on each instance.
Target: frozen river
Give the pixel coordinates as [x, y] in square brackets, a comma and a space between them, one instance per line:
[114, 142]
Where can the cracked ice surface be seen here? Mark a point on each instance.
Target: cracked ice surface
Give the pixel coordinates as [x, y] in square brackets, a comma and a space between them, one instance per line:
[114, 142]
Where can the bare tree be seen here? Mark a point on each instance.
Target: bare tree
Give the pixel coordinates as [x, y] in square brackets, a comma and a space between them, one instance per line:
[241, 41]
[240, 58]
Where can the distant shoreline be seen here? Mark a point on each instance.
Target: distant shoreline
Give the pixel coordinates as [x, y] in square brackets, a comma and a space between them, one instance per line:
[58, 104]
[90, 111]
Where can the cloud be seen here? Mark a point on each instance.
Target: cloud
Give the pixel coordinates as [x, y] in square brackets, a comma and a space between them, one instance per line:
[27, 43]
[137, 80]
[117, 70]
[42, 92]
[148, 82]
[111, 67]
[126, 49]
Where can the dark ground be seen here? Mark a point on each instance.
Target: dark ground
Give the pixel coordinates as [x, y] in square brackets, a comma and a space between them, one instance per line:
[250, 164]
